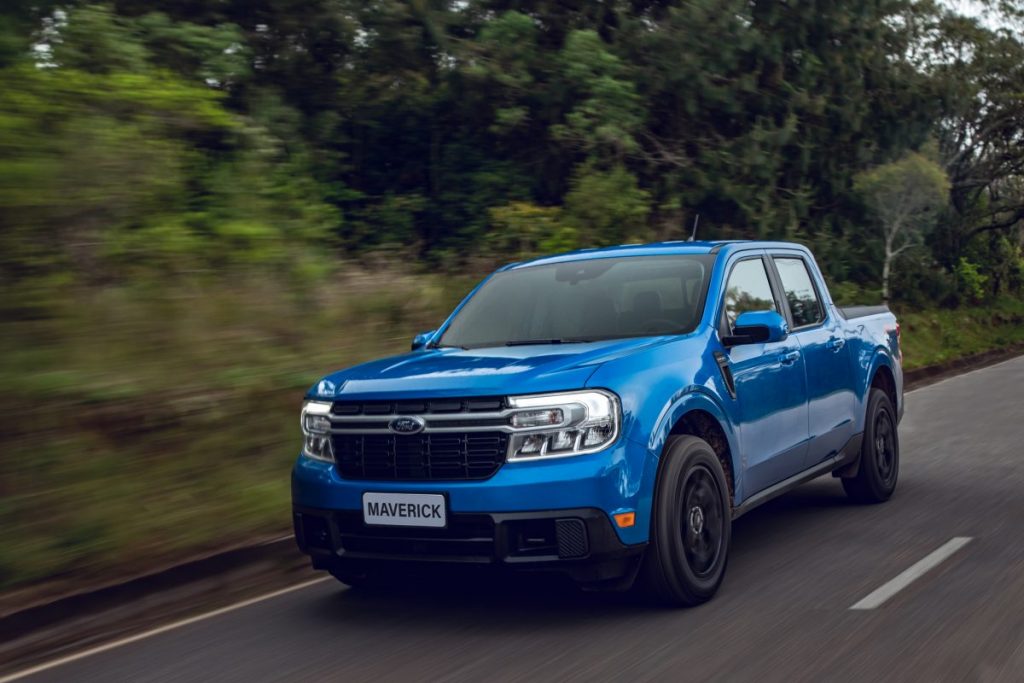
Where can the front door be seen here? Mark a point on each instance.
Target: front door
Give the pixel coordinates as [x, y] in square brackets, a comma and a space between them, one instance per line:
[771, 385]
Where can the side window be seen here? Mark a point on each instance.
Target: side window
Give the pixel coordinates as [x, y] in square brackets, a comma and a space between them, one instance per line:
[747, 290]
[800, 292]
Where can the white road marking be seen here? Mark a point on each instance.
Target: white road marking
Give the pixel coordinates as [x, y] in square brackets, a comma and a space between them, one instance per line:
[157, 631]
[911, 574]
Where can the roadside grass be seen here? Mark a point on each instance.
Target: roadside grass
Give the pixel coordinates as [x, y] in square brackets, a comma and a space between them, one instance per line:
[142, 426]
[936, 336]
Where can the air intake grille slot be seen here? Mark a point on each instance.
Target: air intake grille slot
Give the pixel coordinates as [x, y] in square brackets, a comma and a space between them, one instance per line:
[467, 537]
[420, 457]
[482, 404]
[572, 538]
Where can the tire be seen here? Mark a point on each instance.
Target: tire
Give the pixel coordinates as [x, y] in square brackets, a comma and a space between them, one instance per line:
[691, 526]
[879, 465]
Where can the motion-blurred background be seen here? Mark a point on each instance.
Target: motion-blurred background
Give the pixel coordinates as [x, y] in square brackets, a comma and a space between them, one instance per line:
[206, 205]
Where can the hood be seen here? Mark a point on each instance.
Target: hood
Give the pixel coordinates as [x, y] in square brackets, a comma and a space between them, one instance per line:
[477, 372]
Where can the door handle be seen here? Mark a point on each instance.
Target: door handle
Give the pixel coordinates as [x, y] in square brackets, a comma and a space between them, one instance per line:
[789, 358]
[835, 343]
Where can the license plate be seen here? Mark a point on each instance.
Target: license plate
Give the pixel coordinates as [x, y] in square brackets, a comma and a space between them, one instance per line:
[404, 509]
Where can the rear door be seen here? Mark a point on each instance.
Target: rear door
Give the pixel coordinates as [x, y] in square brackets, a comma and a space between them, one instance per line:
[815, 325]
[769, 379]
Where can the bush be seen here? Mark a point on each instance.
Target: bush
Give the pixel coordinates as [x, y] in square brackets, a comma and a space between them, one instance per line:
[970, 282]
[521, 230]
[607, 207]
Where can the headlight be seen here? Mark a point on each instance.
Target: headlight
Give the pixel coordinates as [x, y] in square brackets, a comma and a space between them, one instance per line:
[557, 425]
[316, 431]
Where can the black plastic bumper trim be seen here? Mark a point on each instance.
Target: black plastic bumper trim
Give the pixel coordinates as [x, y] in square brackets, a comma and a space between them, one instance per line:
[580, 542]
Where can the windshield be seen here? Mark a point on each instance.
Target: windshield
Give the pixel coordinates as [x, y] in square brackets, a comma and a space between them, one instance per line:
[580, 301]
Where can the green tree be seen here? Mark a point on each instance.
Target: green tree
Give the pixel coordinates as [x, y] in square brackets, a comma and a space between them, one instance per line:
[970, 281]
[905, 196]
[520, 230]
[607, 207]
[980, 128]
[760, 113]
[607, 112]
[112, 166]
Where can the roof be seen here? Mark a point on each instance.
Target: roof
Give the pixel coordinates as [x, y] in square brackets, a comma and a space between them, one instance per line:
[653, 249]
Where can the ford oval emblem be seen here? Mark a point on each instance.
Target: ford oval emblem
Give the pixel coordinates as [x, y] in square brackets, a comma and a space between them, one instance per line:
[407, 425]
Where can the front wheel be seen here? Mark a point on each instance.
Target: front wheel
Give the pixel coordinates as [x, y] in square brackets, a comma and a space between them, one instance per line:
[691, 525]
[879, 465]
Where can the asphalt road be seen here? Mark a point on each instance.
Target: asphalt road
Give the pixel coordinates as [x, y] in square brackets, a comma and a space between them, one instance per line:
[783, 613]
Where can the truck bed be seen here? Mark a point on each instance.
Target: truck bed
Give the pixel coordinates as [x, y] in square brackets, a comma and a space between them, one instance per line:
[852, 312]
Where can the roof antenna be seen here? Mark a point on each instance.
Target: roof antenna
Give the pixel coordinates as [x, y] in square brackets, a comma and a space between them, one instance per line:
[696, 222]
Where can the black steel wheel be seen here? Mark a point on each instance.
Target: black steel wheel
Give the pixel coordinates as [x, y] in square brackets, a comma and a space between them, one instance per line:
[703, 523]
[691, 525]
[885, 447]
[879, 467]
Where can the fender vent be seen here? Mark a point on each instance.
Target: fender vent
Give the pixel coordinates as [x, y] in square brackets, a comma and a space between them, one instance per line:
[723, 365]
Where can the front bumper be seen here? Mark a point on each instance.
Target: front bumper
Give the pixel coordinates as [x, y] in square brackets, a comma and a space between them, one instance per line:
[615, 480]
[490, 521]
[580, 543]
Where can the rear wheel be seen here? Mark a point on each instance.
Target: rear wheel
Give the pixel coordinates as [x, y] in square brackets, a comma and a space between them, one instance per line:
[879, 466]
[691, 525]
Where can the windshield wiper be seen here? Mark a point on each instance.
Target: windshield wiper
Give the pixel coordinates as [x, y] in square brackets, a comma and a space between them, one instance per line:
[530, 342]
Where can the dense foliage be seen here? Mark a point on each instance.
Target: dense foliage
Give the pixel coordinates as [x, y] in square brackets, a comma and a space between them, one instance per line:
[169, 138]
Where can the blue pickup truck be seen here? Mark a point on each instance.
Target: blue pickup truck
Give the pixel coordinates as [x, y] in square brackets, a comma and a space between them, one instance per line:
[605, 413]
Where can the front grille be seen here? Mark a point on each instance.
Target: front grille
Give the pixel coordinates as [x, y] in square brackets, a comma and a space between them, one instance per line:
[420, 457]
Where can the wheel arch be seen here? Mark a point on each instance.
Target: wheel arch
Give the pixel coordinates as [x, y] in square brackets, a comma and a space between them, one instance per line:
[698, 414]
[885, 380]
[882, 376]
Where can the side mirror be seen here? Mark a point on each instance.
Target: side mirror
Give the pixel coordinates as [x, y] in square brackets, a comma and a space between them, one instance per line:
[421, 339]
[757, 327]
